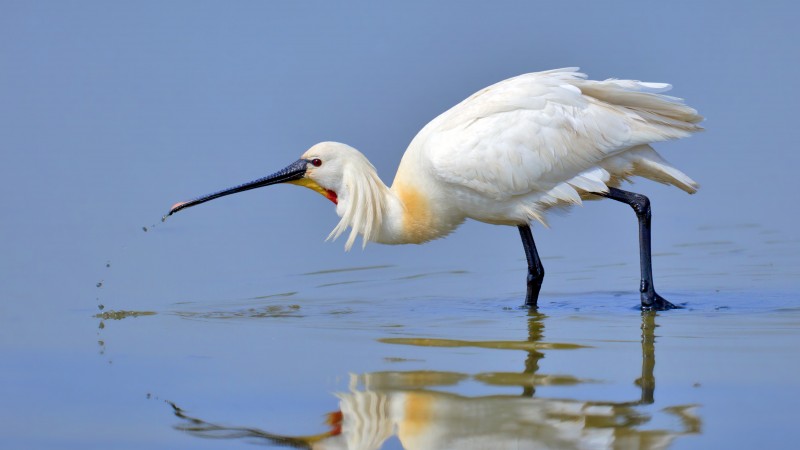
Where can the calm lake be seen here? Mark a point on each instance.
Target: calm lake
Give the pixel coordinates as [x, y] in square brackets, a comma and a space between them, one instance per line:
[391, 356]
[234, 323]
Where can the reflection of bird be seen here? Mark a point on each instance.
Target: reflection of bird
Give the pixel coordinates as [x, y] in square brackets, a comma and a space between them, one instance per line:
[423, 409]
[427, 419]
[505, 156]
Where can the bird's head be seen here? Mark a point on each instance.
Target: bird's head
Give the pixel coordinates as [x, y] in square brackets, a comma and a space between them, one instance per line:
[328, 165]
[323, 168]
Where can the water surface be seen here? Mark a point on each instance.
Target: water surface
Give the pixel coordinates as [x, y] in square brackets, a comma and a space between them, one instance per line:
[412, 372]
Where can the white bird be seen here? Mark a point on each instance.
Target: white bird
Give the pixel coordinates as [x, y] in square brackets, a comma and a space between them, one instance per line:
[506, 155]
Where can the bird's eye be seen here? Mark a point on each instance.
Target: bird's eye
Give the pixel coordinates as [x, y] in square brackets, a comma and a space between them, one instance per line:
[316, 162]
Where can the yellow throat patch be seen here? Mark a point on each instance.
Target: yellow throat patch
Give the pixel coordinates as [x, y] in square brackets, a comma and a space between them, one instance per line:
[314, 186]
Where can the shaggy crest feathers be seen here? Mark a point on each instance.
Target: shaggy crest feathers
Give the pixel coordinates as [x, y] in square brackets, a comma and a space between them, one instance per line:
[364, 203]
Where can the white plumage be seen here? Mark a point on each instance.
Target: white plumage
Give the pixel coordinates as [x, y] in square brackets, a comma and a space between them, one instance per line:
[513, 150]
[546, 138]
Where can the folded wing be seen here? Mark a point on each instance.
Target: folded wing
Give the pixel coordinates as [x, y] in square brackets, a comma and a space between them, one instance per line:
[558, 134]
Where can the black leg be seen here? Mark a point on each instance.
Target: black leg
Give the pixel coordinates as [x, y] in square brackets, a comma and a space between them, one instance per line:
[535, 268]
[641, 205]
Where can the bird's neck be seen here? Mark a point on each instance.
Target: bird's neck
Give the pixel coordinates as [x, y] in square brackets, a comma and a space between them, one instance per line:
[414, 216]
[406, 213]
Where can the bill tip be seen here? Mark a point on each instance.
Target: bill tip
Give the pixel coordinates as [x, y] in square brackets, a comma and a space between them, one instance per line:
[175, 208]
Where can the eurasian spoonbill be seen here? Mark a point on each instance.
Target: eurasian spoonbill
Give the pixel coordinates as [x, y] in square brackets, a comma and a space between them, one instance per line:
[505, 156]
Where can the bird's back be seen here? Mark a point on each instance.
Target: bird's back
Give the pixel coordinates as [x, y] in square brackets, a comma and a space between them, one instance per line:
[516, 148]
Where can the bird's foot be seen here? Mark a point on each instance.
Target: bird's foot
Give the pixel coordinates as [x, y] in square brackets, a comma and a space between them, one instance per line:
[532, 295]
[531, 302]
[655, 302]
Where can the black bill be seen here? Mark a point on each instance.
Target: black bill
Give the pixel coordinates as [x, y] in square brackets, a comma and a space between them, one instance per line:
[294, 171]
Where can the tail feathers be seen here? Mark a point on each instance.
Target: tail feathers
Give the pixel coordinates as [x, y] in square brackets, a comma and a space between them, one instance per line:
[643, 97]
[660, 127]
[645, 162]
[664, 173]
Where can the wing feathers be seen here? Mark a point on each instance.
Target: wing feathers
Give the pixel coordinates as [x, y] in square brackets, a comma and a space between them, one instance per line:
[550, 132]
